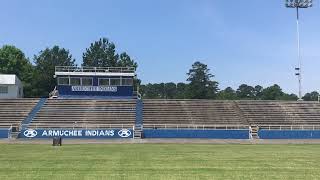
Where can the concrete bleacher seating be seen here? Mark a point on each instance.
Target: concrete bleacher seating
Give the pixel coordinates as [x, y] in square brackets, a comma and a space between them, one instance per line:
[280, 112]
[14, 111]
[242, 112]
[190, 112]
[102, 113]
[85, 113]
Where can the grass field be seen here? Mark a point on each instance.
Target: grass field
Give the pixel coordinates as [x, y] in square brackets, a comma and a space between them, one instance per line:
[160, 161]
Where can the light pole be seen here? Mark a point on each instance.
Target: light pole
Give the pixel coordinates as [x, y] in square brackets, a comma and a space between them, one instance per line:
[298, 4]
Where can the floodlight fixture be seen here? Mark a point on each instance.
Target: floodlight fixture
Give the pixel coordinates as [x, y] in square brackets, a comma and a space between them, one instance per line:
[298, 3]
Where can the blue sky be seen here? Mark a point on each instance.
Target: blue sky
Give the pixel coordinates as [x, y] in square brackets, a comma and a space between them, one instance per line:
[252, 41]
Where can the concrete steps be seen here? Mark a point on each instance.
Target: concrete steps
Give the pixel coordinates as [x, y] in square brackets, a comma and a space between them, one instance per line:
[254, 132]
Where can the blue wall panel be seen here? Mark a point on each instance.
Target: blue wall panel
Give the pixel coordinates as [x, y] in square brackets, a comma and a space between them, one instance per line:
[213, 134]
[4, 133]
[289, 134]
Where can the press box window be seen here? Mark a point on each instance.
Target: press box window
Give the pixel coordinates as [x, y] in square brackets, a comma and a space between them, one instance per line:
[75, 81]
[104, 82]
[115, 82]
[3, 89]
[127, 82]
[63, 81]
[86, 81]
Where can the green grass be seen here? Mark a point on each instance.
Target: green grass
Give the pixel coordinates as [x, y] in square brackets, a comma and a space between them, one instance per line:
[160, 161]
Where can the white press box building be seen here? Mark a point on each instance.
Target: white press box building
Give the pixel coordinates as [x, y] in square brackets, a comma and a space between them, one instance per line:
[10, 86]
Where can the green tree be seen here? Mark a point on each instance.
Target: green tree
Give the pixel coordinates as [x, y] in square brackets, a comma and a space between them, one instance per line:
[151, 91]
[163, 90]
[142, 90]
[272, 93]
[258, 92]
[227, 94]
[170, 90]
[289, 97]
[13, 61]
[45, 64]
[313, 96]
[126, 61]
[181, 90]
[101, 53]
[245, 92]
[201, 86]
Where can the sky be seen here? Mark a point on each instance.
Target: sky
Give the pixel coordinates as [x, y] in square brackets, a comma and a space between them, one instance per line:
[247, 41]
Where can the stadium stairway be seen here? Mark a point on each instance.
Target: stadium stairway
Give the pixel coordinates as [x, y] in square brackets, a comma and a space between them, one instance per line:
[239, 113]
[254, 132]
[32, 114]
[253, 129]
[138, 128]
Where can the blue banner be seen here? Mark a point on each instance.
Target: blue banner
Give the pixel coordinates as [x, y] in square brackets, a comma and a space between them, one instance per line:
[76, 133]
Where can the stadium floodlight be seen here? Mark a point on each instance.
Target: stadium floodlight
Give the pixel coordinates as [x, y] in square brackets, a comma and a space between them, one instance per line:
[298, 4]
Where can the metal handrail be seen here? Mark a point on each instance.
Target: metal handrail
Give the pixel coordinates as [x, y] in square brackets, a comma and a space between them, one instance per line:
[6, 124]
[9, 124]
[289, 127]
[94, 69]
[194, 126]
[78, 125]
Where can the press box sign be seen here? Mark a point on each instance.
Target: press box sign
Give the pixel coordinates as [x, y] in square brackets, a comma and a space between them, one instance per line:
[77, 133]
[95, 88]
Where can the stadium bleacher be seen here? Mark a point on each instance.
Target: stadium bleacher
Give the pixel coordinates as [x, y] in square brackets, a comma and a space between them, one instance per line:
[85, 113]
[184, 113]
[159, 114]
[275, 113]
[156, 113]
[14, 111]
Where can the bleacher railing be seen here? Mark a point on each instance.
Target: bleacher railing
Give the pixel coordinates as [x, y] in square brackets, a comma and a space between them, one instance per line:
[95, 69]
[194, 126]
[163, 126]
[79, 126]
[7, 125]
[289, 127]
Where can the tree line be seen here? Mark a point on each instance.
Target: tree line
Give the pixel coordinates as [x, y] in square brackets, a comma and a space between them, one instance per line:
[37, 75]
[200, 85]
